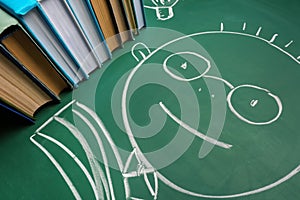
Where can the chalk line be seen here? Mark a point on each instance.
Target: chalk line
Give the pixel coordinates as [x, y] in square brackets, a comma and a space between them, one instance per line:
[276, 98]
[86, 146]
[129, 159]
[125, 181]
[162, 3]
[56, 114]
[150, 188]
[136, 174]
[58, 167]
[220, 79]
[258, 31]
[154, 2]
[126, 187]
[96, 168]
[288, 44]
[105, 132]
[140, 170]
[298, 57]
[165, 66]
[150, 7]
[184, 66]
[192, 130]
[244, 26]
[112, 145]
[134, 198]
[274, 38]
[253, 103]
[142, 54]
[154, 192]
[44, 125]
[156, 185]
[97, 193]
[252, 36]
[222, 27]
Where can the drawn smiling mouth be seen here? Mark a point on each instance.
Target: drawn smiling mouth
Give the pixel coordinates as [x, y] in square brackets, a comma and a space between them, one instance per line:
[194, 131]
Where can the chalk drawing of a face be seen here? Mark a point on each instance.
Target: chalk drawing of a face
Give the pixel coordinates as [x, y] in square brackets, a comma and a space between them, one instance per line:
[172, 107]
[253, 97]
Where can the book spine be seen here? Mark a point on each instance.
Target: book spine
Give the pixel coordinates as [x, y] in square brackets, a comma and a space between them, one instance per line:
[127, 5]
[77, 21]
[115, 23]
[126, 19]
[5, 52]
[134, 15]
[98, 27]
[66, 75]
[70, 84]
[47, 20]
[143, 11]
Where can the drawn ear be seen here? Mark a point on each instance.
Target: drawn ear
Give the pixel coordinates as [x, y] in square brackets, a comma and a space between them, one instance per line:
[140, 51]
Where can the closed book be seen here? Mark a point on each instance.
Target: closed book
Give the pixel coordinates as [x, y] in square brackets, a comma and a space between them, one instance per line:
[65, 25]
[130, 15]
[121, 21]
[139, 13]
[18, 90]
[89, 25]
[105, 18]
[38, 25]
[18, 45]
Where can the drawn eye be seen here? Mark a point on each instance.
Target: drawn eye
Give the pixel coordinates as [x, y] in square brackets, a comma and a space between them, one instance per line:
[186, 66]
[254, 105]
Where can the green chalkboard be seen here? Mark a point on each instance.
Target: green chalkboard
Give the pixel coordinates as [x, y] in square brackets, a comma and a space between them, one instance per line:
[202, 104]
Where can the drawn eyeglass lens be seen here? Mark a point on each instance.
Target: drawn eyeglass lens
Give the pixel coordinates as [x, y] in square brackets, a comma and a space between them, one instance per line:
[254, 105]
[186, 66]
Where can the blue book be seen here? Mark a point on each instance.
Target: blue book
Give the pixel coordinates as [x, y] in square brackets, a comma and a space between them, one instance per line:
[44, 22]
[15, 111]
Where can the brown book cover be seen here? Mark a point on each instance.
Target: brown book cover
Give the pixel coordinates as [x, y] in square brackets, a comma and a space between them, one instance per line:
[18, 90]
[24, 49]
[121, 21]
[130, 15]
[106, 21]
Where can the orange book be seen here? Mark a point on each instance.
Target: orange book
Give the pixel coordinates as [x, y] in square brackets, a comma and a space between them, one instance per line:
[105, 17]
[120, 17]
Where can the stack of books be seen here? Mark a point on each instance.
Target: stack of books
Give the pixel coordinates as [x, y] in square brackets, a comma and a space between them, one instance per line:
[48, 46]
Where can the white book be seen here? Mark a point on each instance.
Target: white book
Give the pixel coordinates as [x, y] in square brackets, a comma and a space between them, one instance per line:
[44, 35]
[91, 29]
[139, 13]
[70, 33]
